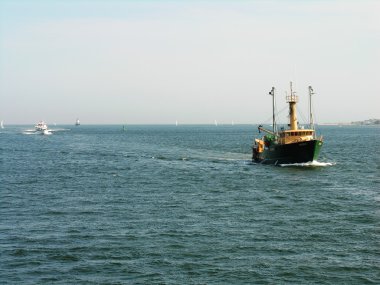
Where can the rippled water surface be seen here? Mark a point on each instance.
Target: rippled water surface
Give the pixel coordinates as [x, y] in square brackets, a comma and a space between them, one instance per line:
[184, 205]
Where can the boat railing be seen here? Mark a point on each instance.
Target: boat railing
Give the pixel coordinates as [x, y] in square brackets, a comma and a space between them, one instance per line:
[291, 99]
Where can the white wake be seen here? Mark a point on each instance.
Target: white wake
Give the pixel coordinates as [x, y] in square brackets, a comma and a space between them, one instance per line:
[313, 163]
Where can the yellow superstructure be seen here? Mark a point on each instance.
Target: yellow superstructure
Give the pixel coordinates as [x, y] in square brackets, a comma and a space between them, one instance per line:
[292, 100]
[292, 136]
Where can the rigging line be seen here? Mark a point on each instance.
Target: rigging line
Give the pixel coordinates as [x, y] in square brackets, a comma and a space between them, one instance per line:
[314, 113]
[280, 112]
[315, 120]
[267, 121]
[302, 116]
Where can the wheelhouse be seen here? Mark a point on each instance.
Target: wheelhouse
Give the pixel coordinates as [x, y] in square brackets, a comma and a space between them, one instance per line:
[290, 136]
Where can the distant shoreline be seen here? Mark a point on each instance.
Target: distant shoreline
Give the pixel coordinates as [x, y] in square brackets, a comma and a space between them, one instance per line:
[369, 122]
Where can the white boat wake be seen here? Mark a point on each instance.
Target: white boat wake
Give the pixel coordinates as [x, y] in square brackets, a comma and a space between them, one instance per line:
[313, 163]
[47, 132]
[43, 132]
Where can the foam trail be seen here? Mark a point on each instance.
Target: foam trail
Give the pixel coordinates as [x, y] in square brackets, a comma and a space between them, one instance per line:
[59, 130]
[226, 158]
[313, 163]
[27, 132]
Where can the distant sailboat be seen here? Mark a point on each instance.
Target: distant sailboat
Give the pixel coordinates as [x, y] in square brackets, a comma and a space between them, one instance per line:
[216, 123]
[232, 123]
[77, 123]
[176, 123]
[2, 124]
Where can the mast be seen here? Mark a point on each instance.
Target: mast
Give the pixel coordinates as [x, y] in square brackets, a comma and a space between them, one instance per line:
[274, 115]
[311, 119]
[292, 100]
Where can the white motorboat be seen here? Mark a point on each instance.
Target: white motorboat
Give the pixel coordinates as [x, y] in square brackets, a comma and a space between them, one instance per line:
[41, 126]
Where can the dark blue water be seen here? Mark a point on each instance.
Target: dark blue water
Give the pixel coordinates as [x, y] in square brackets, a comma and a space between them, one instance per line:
[184, 205]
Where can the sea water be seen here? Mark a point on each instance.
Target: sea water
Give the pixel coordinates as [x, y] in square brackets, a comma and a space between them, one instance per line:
[185, 205]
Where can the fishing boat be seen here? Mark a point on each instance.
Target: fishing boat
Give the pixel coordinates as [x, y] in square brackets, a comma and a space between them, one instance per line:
[288, 146]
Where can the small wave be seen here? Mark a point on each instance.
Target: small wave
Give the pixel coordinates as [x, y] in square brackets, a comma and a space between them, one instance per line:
[313, 163]
[225, 159]
[60, 130]
[29, 133]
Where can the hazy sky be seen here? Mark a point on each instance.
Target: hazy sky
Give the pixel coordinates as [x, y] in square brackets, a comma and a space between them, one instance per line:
[191, 61]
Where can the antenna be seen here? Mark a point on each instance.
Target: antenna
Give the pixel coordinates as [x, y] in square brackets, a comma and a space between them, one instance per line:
[273, 103]
[311, 119]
